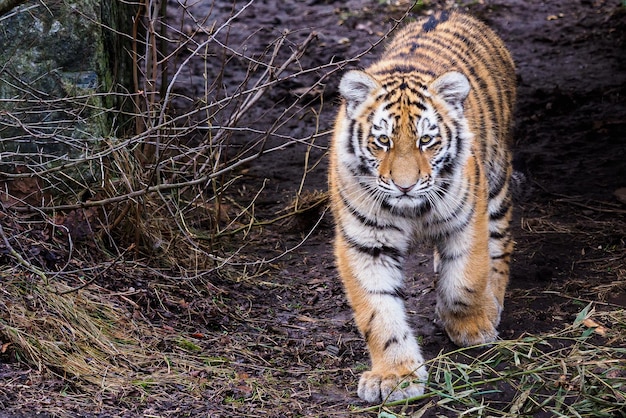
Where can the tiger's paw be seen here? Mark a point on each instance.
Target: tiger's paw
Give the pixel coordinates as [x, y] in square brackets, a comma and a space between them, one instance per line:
[376, 387]
[470, 331]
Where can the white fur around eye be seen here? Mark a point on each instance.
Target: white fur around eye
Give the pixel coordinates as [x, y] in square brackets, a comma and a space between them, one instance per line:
[381, 123]
[427, 125]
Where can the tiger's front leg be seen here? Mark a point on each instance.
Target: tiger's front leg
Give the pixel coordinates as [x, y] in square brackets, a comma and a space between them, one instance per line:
[469, 301]
[372, 278]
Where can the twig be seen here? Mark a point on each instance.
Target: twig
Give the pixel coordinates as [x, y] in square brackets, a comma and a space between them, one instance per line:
[168, 92]
[289, 250]
[150, 189]
[97, 275]
[571, 201]
[7, 5]
[554, 292]
[21, 259]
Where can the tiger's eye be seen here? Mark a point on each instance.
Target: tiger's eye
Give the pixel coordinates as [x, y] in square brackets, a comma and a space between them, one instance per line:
[383, 142]
[425, 140]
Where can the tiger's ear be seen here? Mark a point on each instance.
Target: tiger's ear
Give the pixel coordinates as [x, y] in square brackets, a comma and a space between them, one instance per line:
[356, 86]
[453, 87]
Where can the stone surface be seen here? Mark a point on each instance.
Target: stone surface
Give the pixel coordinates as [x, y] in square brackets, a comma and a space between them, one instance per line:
[57, 58]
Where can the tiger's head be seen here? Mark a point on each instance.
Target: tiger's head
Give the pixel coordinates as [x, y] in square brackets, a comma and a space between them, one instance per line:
[409, 134]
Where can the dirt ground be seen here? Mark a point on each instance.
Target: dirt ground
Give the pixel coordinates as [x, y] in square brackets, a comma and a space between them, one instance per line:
[285, 328]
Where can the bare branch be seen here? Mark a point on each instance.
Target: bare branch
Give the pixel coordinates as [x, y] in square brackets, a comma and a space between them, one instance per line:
[7, 5]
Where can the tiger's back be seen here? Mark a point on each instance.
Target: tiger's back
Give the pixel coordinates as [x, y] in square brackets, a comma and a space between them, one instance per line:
[421, 149]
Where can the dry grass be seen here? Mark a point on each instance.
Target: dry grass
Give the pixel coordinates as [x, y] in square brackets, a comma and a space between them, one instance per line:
[90, 337]
[100, 343]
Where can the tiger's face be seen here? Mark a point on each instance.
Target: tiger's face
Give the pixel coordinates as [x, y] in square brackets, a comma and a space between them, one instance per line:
[409, 134]
[406, 154]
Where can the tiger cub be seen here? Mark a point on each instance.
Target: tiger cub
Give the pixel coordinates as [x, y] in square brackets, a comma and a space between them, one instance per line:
[420, 151]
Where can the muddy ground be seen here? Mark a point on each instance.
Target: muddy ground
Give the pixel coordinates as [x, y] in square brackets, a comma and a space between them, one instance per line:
[285, 328]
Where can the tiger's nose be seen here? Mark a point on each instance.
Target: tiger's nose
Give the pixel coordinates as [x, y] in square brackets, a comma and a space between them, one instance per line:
[404, 189]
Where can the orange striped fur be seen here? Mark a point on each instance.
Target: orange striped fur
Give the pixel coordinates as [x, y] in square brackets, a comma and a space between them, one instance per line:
[420, 151]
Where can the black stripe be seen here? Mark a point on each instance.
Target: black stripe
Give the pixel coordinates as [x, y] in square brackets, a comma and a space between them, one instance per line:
[448, 164]
[451, 161]
[372, 223]
[377, 252]
[434, 20]
[447, 257]
[367, 332]
[352, 131]
[496, 188]
[391, 253]
[499, 235]
[358, 133]
[443, 188]
[389, 105]
[394, 80]
[477, 170]
[372, 317]
[397, 293]
[389, 342]
[460, 303]
[418, 105]
[403, 68]
[501, 212]
[364, 167]
[384, 204]
[458, 226]
[501, 256]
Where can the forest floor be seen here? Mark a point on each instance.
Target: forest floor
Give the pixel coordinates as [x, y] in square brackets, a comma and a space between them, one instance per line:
[278, 337]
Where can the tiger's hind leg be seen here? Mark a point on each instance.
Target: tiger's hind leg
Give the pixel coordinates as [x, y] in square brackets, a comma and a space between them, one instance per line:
[500, 244]
[372, 281]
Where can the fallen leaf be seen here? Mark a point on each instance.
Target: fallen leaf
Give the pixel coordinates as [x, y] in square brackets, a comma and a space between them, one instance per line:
[305, 318]
[601, 331]
[555, 17]
[598, 328]
[590, 323]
